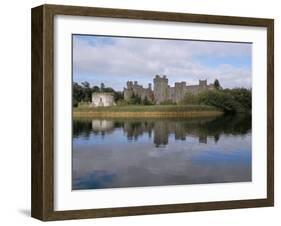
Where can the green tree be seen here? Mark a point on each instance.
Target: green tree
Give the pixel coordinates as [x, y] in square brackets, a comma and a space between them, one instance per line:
[118, 96]
[87, 91]
[135, 99]
[102, 87]
[145, 101]
[229, 100]
[190, 98]
[217, 84]
[95, 89]
[77, 94]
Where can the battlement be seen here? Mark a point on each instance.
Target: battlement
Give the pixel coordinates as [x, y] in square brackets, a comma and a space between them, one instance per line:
[158, 78]
[180, 84]
[129, 84]
[133, 88]
[203, 82]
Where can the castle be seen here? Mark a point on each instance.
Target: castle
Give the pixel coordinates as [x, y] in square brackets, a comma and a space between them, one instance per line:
[163, 92]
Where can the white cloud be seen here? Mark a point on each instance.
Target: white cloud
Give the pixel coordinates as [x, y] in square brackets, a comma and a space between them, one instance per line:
[141, 59]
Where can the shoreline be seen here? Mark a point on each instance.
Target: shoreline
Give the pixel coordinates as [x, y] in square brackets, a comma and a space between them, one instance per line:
[109, 114]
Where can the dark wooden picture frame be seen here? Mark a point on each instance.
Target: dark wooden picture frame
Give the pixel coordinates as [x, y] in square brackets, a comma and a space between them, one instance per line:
[42, 204]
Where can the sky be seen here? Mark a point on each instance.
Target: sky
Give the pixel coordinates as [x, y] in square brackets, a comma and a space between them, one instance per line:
[115, 60]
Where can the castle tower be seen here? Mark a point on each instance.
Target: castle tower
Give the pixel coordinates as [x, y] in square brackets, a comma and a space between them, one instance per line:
[179, 91]
[128, 92]
[203, 82]
[160, 89]
[129, 84]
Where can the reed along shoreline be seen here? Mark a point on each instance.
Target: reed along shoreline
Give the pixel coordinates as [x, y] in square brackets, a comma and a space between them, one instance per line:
[152, 111]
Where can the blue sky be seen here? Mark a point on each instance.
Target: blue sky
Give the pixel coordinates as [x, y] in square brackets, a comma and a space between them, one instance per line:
[115, 60]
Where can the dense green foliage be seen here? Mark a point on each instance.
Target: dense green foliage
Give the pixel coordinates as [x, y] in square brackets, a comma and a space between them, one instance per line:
[241, 95]
[217, 84]
[190, 99]
[134, 99]
[229, 100]
[145, 101]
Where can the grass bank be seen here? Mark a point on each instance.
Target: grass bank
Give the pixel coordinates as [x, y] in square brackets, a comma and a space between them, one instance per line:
[148, 111]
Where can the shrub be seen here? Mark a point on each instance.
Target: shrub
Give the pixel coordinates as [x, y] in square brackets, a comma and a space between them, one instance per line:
[241, 95]
[145, 101]
[75, 103]
[190, 98]
[228, 100]
[121, 102]
[168, 102]
[135, 99]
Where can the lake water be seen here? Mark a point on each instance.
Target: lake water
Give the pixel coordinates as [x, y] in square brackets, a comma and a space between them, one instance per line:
[114, 153]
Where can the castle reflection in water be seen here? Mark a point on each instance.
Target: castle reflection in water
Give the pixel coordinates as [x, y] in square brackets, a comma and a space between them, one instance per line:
[160, 130]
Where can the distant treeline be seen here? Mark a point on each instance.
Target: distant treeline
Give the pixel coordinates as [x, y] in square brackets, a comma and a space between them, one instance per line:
[83, 92]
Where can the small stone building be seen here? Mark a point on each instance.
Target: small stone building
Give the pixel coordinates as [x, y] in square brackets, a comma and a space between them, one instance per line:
[102, 99]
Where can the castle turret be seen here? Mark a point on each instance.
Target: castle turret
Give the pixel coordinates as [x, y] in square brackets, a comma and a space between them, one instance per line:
[160, 89]
[129, 84]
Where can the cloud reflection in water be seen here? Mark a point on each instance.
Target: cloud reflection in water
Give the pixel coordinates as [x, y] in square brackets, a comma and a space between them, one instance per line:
[154, 152]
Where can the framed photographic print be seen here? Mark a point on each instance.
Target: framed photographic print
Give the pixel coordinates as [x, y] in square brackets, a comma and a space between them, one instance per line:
[142, 112]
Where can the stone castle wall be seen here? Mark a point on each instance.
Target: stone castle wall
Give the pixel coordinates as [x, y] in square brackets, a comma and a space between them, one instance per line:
[162, 92]
[138, 90]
